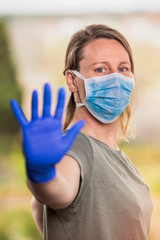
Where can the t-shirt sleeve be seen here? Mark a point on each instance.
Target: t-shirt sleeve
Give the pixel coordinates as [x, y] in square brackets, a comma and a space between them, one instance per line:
[82, 152]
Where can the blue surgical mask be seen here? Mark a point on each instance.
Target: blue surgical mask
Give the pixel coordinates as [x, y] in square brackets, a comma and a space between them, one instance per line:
[106, 96]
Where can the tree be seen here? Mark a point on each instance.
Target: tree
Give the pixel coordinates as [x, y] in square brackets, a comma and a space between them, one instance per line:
[8, 86]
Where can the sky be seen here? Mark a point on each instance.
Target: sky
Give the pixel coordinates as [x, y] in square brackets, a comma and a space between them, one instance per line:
[11, 7]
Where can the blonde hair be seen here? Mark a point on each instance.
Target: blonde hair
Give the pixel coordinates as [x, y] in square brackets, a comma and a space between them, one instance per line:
[74, 54]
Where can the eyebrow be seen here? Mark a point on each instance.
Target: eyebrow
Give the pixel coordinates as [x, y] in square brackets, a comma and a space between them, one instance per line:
[108, 63]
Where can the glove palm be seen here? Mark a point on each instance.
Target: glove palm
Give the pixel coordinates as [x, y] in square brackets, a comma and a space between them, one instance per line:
[44, 143]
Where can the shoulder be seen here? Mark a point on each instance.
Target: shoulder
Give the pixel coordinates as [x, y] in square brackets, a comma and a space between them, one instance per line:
[82, 150]
[81, 155]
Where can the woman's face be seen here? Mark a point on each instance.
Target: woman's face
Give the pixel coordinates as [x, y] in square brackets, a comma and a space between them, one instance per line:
[102, 57]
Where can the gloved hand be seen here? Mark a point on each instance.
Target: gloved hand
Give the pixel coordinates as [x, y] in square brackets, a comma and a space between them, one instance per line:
[44, 143]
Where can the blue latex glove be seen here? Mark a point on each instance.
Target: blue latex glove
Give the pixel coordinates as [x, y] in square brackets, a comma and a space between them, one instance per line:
[44, 143]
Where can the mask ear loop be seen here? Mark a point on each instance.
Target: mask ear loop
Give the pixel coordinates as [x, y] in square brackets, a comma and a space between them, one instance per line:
[79, 104]
[83, 78]
[78, 74]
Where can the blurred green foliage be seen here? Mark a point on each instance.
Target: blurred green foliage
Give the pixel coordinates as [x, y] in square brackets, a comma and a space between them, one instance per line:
[8, 86]
[16, 222]
[18, 225]
[146, 158]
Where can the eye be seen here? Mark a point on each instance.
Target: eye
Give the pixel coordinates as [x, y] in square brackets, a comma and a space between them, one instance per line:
[100, 70]
[123, 69]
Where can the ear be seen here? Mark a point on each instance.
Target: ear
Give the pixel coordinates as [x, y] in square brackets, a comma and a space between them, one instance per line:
[70, 80]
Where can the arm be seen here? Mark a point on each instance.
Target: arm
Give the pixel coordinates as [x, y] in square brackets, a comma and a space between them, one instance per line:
[62, 190]
[56, 196]
[37, 213]
[44, 146]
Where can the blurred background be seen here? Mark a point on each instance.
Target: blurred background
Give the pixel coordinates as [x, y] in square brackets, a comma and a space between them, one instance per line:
[33, 39]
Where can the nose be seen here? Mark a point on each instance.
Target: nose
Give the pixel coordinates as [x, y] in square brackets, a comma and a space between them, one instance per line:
[113, 70]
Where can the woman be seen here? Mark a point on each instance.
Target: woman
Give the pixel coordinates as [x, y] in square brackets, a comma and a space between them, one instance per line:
[88, 186]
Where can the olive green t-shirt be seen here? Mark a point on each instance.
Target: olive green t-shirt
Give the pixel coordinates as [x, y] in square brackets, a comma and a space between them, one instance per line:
[113, 202]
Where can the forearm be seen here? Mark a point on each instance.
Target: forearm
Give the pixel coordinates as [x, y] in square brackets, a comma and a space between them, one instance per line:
[55, 193]
[61, 191]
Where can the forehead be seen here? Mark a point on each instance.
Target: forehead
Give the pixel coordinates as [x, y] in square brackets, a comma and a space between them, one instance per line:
[104, 50]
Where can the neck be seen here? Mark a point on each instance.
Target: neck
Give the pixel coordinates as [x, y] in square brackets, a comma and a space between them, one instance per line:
[105, 133]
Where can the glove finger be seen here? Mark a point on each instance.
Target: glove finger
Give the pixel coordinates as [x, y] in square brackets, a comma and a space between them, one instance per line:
[34, 105]
[47, 100]
[18, 113]
[60, 103]
[73, 132]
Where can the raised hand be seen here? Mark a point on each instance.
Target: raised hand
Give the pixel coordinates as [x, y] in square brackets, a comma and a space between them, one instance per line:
[44, 143]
